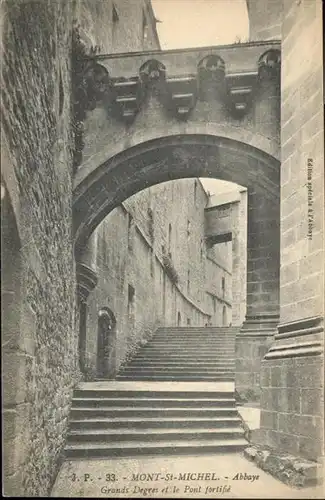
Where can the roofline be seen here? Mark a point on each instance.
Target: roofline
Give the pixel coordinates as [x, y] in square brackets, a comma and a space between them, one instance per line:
[187, 49]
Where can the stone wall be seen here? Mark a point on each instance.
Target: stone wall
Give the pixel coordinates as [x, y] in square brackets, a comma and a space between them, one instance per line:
[265, 19]
[292, 372]
[40, 344]
[226, 217]
[162, 225]
[117, 26]
[239, 262]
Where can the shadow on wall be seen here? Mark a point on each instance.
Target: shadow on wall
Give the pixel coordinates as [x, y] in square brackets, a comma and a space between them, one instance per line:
[11, 356]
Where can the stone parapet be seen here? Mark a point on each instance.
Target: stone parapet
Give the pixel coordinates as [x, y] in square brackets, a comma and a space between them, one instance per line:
[233, 74]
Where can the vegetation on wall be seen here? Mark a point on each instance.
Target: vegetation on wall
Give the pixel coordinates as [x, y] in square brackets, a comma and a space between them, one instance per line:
[90, 85]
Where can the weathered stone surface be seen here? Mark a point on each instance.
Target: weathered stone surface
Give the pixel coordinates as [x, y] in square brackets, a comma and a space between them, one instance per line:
[249, 353]
[36, 137]
[285, 467]
[292, 372]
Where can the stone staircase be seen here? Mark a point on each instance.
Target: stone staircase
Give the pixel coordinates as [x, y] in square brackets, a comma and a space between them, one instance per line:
[175, 397]
[116, 419]
[185, 354]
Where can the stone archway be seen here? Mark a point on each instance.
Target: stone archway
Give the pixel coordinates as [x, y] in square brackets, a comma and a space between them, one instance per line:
[184, 156]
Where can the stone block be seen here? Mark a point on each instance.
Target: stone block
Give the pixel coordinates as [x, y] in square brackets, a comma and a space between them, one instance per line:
[310, 306]
[289, 401]
[276, 376]
[286, 442]
[265, 379]
[309, 372]
[309, 448]
[268, 401]
[311, 402]
[17, 370]
[269, 419]
[300, 425]
[250, 453]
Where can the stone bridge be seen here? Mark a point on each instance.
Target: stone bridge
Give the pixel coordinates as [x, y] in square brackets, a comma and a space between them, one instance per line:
[214, 112]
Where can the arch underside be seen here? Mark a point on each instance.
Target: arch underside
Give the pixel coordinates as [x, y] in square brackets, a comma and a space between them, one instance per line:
[166, 159]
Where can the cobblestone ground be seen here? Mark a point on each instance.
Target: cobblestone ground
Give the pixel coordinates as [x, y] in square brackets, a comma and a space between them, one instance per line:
[231, 476]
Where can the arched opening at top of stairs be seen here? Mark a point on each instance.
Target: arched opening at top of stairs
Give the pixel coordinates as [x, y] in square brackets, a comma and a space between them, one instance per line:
[197, 155]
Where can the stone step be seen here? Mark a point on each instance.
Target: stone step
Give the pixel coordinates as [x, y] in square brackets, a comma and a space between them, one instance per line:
[154, 423]
[178, 369]
[194, 340]
[120, 435]
[190, 347]
[176, 378]
[164, 363]
[201, 332]
[195, 334]
[149, 412]
[180, 361]
[136, 448]
[202, 346]
[188, 351]
[105, 392]
[198, 328]
[194, 337]
[180, 356]
[196, 362]
[211, 362]
[153, 402]
[191, 343]
[131, 372]
[181, 365]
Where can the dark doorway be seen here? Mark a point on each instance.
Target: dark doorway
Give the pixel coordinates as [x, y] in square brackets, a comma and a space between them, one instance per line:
[105, 343]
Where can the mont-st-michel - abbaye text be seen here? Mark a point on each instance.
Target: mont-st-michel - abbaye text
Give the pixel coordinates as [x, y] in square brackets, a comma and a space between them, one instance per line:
[193, 476]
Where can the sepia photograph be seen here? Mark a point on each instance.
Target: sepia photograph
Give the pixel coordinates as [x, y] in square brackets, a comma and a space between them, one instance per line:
[162, 249]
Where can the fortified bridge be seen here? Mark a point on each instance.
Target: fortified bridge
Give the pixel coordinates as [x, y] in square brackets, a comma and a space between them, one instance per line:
[149, 117]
